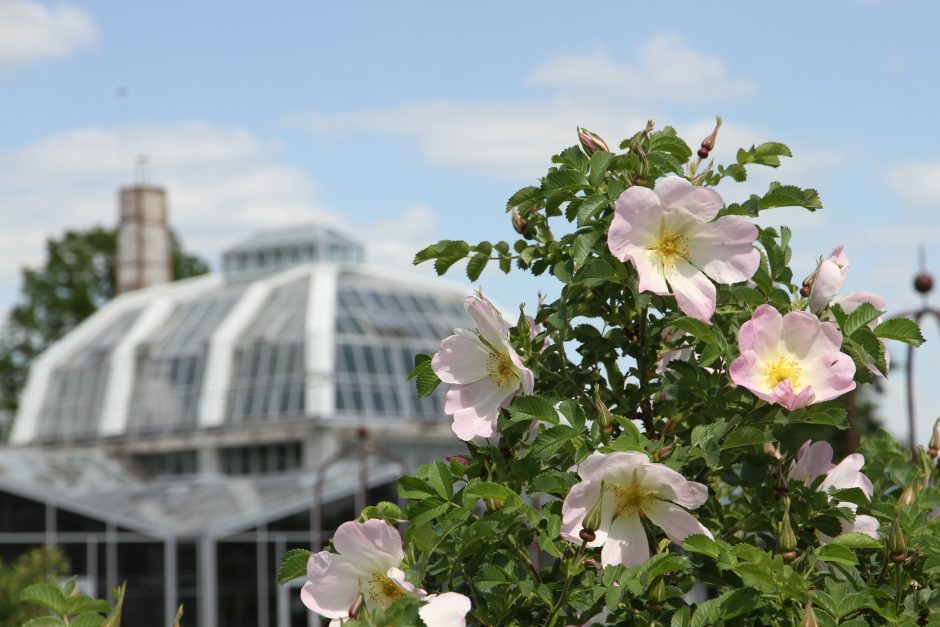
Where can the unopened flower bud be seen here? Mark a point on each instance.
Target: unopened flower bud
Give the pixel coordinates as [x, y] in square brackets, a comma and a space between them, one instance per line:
[908, 495]
[604, 418]
[590, 562]
[592, 520]
[587, 535]
[786, 539]
[591, 142]
[897, 545]
[494, 505]
[773, 450]
[460, 459]
[520, 224]
[934, 446]
[809, 618]
[665, 452]
[708, 144]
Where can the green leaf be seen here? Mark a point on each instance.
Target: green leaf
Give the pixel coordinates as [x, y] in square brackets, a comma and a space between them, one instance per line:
[600, 161]
[548, 442]
[413, 488]
[525, 199]
[88, 619]
[528, 408]
[583, 246]
[837, 554]
[700, 543]
[558, 181]
[43, 621]
[698, 330]
[790, 196]
[441, 248]
[590, 206]
[744, 436]
[489, 490]
[595, 272]
[859, 318]
[553, 482]
[427, 510]
[45, 595]
[454, 253]
[476, 265]
[768, 154]
[440, 479]
[900, 329]
[293, 565]
[425, 378]
[855, 540]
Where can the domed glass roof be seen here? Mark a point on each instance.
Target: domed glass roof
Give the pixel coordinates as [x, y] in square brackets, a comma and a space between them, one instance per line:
[325, 340]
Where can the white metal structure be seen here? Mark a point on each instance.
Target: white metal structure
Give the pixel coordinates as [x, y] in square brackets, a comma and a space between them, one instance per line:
[192, 417]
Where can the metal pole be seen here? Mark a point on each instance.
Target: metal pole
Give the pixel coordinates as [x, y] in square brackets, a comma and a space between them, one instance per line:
[283, 601]
[111, 558]
[261, 545]
[91, 566]
[208, 590]
[170, 592]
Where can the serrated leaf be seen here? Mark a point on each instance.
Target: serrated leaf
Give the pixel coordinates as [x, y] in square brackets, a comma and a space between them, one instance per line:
[837, 554]
[563, 181]
[530, 407]
[583, 247]
[43, 621]
[476, 265]
[427, 510]
[744, 436]
[413, 488]
[440, 479]
[553, 482]
[700, 543]
[489, 490]
[595, 272]
[45, 595]
[590, 206]
[525, 199]
[790, 196]
[441, 248]
[698, 329]
[860, 317]
[600, 161]
[88, 619]
[768, 154]
[425, 378]
[548, 442]
[293, 565]
[855, 540]
[900, 329]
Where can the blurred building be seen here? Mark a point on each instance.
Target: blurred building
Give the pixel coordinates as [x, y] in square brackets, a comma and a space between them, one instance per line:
[173, 439]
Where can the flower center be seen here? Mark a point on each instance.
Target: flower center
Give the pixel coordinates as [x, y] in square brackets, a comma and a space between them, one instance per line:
[671, 247]
[499, 368]
[783, 369]
[382, 591]
[632, 498]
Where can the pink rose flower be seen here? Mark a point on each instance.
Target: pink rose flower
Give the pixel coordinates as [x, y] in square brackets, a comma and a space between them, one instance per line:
[668, 235]
[368, 564]
[630, 486]
[829, 276]
[484, 370]
[792, 360]
[815, 459]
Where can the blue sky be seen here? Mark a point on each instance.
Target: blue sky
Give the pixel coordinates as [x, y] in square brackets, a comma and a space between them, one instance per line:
[411, 122]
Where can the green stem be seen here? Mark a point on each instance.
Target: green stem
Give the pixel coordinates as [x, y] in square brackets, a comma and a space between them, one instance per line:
[564, 592]
[646, 409]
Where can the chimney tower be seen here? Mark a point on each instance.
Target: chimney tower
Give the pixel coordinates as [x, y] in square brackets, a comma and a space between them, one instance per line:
[144, 251]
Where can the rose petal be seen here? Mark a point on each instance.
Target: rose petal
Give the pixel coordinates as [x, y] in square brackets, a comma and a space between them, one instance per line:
[448, 609]
[332, 586]
[461, 359]
[694, 293]
[626, 542]
[373, 546]
[675, 521]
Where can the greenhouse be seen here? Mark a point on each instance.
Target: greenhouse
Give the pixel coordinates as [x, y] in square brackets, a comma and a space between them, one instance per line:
[187, 434]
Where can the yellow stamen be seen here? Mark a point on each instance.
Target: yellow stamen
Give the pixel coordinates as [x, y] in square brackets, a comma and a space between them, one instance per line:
[499, 368]
[632, 498]
[783, 369]
[382, 591]
[671, 248]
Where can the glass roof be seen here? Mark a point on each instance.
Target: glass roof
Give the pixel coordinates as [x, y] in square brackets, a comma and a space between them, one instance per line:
[91, 483]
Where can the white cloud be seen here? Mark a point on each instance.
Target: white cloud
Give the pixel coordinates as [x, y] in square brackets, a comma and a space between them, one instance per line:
[667, 71]
[29, 31]
[221, 184]
[917, 182]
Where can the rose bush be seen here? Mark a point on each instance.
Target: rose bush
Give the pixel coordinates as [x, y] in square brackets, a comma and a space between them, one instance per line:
[647, 447]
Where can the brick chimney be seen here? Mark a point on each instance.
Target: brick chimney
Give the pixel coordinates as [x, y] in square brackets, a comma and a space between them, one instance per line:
[144, 251]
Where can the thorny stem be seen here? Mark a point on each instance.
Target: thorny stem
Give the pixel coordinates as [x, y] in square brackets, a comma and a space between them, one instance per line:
[564, 592]
[646, 408]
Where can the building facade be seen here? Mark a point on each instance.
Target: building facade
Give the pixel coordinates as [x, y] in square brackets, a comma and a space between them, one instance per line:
[177, 438]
